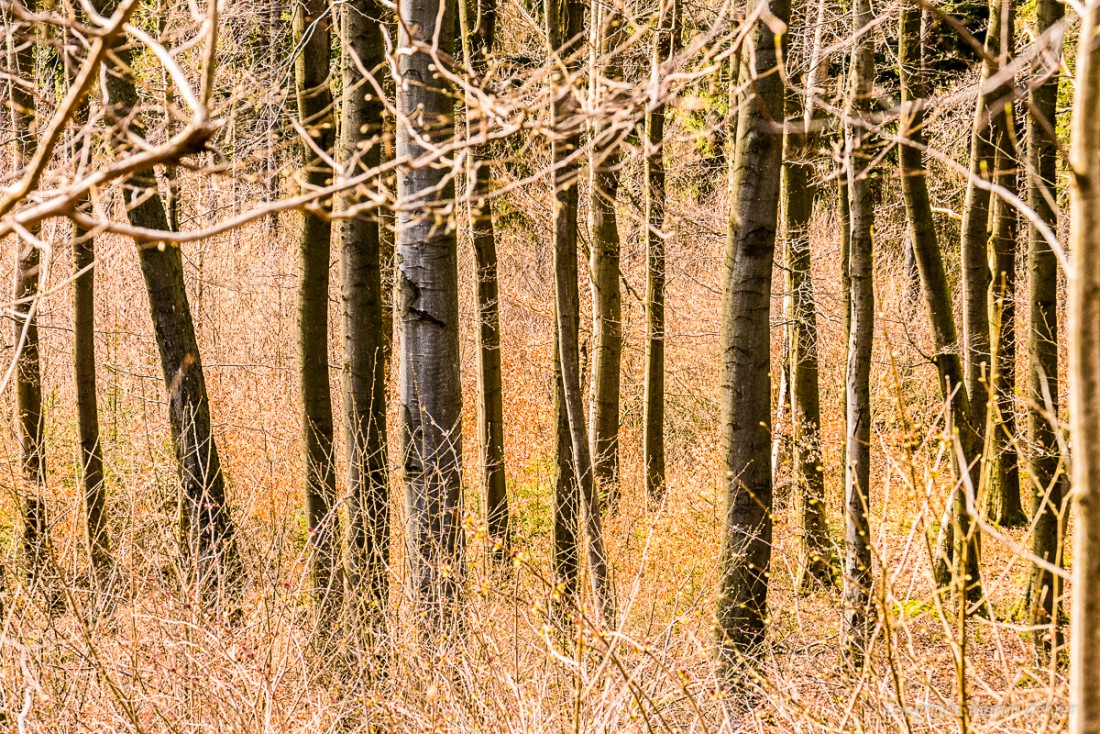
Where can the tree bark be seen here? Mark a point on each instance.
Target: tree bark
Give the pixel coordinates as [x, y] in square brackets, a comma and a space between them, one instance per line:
[746, 344]
[312, 32]
[857, 469]
[368, 538]
[929, 262]
[1084, 377]
[664, 46]
[799, 189]
[1046, 476]
[567, 498]
[477, 42]
[208, 525]
[607, 328]
[1003, 504]
[29, 421]
[427, 262]
[565, 31]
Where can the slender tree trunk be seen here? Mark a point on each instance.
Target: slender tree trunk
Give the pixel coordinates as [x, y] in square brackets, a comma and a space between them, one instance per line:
[857, 469]
[368, 540]
[746, 343]
[929, 263]
[427, 257]
[312, 31]
[607, 328]
[664, 46]
[1046, 477]
[1003, 484]
[29, 266]
[478, 29]
[1084, 377]
[565, 31]
[799, 190]
[567, 509]
[208, 523]
[87, 410]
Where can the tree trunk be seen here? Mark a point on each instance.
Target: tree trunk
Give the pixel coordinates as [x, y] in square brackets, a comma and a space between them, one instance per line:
[430, 385]
[746, 344]
[1084, 377]
[664, 45]
[565, 31]
[937, 292]
[87, 410]
[208, 523]
[477, 44]
[28, 271]
[1003, 484]
[1046, 477]
[857, 469]
[607, 328]
[799, 190]
[312, 31]
[368, 539]
[566, 551]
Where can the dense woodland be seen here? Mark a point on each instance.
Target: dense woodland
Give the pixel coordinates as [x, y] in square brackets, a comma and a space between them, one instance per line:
[550, 366]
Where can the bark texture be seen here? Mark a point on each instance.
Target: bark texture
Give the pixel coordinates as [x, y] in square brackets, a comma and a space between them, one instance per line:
[565, 32]
[1084, 378]
[1046, 474]
[207, 523]
[857, 468]
[427, 275]
[746, 348]
[607, 328]
[312, 32]
[364, 388]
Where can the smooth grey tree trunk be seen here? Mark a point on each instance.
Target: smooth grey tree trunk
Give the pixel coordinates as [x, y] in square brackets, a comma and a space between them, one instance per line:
[1002, 486]
[312, 33]
[1084, 377]
[565, 32]
[1044, 460]
[208, 526]
[607, 328]
[427, 275]
[746, 345]
[857, 467]
[364, 385]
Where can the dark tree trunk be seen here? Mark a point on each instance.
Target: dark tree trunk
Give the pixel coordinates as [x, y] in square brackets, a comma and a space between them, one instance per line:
[565, 29]
[207, 520]
[1003, 483]
[427, 262]
[929, 263]
[28, 271]
[567, 509]
[857, 469]
[664, 45]
[312, 31]
[477, 43]
[1047, 478]
[368, 540]
[87, 410]
[607, 328]
[746, 345]
[799, 190]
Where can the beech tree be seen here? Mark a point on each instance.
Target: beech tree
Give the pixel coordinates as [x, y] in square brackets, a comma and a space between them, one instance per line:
[745, 342]
[427, 273]
[364, 387]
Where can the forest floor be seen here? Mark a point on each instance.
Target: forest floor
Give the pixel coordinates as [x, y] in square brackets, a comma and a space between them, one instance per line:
[153, 661]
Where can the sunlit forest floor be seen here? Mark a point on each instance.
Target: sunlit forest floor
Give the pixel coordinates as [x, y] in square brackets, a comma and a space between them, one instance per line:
[153, 661]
